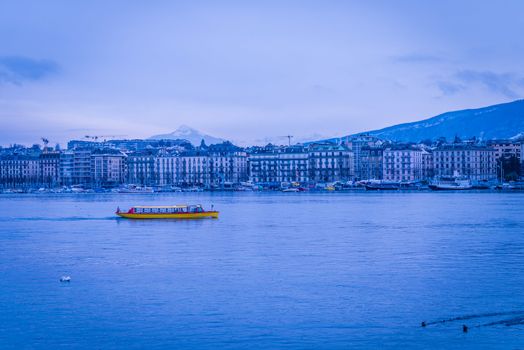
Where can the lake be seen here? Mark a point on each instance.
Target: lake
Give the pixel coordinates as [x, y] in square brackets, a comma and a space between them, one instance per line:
[276, 270]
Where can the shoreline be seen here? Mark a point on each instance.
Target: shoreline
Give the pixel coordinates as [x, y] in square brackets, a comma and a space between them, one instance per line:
[363, 190]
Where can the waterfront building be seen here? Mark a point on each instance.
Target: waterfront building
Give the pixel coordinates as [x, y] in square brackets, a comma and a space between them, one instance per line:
[506, 148]
[108, 167]
[141, 167]
[330, 162]
[67, 161]
[322, 162]
[356, 144]
[194, 168]
[49, 168]
[293, 165]
[19, 171]
[477, 162]
[204, 167]
[402, 163]
[167, 168]
[82, 166]
[427, 164]
[227, 164]
[263, 167]
[371, 162]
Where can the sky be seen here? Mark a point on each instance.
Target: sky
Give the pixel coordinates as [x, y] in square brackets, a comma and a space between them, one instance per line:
[249, 71]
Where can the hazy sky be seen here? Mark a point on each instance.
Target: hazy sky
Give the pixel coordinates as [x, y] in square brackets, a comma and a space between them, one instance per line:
[250, 71]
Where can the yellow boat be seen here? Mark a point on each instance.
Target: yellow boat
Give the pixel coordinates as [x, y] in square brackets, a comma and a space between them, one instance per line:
[167, 212]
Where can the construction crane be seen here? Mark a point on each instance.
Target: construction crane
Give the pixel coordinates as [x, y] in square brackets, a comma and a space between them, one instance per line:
[289, 137]
[96, 137]
[46, 142]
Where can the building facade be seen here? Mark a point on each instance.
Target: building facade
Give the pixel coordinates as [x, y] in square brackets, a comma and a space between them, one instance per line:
[427, 164]
[329, 162]
[82, 167]
[402, 163]
[293, 165]
[371, 162]
[50, 169]
[356, 144]
[141, 168]
[67, 161]
[19, 171]
[506, 148]
[108, 168]
[473, 161]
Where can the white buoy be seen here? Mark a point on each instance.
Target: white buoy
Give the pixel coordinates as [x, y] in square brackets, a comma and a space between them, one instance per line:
[65, 279]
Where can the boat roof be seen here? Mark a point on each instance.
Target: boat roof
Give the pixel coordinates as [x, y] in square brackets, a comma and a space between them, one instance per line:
[166, 206]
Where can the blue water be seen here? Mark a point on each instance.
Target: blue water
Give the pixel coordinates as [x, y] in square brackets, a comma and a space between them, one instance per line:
[294, 270]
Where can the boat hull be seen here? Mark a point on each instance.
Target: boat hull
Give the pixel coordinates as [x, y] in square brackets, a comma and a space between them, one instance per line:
[201, 215]
[450, 188]
[382, 188]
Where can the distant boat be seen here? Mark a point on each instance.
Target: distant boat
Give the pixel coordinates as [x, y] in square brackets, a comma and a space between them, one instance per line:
[516, 185]
[291, 189]
[513, 186]
[168, 212]
[135, 189]
[65, 279]
[381, 185]
[482, 185]
[451, 183]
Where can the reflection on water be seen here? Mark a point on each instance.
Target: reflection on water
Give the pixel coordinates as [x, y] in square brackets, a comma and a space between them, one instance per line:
[354, 270]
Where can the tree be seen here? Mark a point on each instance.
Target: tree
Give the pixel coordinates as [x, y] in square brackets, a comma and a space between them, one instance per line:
[510, 168]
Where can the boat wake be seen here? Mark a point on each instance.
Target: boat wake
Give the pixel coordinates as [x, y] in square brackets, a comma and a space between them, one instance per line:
[470, 317]
[72, 218]
[507, 322]
[515, 321]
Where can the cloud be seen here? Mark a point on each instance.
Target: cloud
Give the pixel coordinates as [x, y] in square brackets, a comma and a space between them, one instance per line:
[417, 58]
[502, 83]
[506, 84]
[449, 88]
[18, 69]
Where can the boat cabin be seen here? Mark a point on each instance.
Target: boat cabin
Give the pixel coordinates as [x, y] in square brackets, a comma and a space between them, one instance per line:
[174, 209]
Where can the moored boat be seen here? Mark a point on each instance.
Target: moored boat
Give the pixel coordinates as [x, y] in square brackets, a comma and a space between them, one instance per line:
[168, 212]
[291, 189]
[452, 183]
[380, 185]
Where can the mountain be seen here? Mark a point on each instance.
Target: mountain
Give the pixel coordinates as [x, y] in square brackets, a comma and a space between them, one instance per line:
[186, 133]
[500, 121]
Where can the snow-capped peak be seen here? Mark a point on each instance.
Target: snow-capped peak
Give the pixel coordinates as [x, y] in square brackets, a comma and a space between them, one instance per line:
[187, 133]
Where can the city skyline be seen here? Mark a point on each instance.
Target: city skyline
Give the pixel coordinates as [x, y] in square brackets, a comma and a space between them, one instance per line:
[68, 70]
